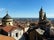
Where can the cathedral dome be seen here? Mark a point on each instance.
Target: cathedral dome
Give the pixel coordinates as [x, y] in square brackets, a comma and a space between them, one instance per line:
[7, 17]
[7, 20]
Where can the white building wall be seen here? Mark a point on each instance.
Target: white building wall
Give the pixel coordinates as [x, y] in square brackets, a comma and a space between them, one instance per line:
[8, 33]
[20, 33]
[26, 29]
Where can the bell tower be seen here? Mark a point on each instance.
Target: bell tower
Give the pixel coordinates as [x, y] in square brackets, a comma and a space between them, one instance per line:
[45, 16]
[41, 14]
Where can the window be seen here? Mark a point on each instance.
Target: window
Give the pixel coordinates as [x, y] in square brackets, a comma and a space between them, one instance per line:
[16, 34]
[9, 23]
[10, 34]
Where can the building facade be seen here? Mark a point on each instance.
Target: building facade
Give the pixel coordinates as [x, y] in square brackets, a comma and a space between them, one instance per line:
[9, 29]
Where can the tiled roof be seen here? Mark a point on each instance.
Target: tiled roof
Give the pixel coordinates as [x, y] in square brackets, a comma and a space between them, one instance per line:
[10, 28]
[2, 37]
[7, 28]
[7, 17]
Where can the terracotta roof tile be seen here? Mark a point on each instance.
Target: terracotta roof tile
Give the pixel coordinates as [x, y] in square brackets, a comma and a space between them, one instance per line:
[10, 28]
[7, 28]
[2, 37]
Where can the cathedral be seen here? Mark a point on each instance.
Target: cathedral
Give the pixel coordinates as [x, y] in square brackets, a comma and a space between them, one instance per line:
[42, 30]
[42, 15]
[9, 29]
[43, 21]
[7, 20]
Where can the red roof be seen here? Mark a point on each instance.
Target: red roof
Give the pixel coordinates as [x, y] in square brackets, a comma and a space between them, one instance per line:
[7, 28]
[10, 28]
[2, 37]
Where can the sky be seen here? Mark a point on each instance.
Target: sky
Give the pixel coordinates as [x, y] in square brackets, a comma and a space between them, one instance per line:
[26, 8]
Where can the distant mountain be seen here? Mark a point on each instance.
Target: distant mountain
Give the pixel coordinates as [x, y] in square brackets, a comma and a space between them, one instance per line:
[31, 19]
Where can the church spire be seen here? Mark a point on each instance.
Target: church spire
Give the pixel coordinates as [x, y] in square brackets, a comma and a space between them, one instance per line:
[41, 10]
[41, 14]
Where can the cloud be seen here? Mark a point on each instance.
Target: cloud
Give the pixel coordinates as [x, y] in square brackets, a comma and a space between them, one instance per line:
[2, 9]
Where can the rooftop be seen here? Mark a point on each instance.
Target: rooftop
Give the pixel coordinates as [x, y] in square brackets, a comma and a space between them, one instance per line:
[7, 16]
[2, 37]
